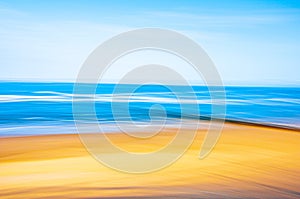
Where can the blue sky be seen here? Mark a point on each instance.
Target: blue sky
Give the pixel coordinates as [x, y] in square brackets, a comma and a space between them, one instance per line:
[250, 42]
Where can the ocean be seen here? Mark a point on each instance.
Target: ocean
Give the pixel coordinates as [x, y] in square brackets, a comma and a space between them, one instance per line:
[46, 108]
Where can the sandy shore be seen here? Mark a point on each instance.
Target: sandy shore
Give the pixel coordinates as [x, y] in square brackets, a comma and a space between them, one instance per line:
[247, 162]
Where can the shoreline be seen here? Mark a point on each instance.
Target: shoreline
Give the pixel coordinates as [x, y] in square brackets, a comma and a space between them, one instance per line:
[203, 119]
[276, 126]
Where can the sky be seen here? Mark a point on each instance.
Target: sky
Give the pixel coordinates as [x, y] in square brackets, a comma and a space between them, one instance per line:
[251, 42]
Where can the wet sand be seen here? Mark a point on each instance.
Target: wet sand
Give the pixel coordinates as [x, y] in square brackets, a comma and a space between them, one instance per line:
[247, 162]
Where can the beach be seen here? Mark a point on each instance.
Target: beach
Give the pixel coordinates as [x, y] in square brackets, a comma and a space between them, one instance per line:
[247, 162]
[150, 100]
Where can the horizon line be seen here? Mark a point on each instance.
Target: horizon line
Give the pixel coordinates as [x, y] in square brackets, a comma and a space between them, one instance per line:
[195, 83]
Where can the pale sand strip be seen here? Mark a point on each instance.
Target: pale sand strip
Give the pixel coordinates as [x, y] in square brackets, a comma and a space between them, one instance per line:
[248, 161]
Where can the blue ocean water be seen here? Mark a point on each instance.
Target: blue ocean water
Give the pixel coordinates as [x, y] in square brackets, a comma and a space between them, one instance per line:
[46, 108]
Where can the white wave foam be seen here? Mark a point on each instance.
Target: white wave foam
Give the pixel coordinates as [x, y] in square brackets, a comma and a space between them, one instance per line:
[139, 97]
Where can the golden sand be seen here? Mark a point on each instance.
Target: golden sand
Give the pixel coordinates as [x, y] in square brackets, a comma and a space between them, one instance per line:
[247, 162]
